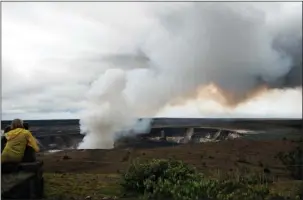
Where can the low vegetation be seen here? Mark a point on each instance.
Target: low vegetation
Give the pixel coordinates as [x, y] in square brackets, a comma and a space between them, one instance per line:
[212, 171]
[293, 161]
[171, 179]
[62, 186]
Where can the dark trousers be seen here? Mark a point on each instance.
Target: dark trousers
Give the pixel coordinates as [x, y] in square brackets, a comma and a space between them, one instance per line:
[29, 155]
[3, 142]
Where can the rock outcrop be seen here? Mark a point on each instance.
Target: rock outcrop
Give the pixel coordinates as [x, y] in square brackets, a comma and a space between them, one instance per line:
[24, 182]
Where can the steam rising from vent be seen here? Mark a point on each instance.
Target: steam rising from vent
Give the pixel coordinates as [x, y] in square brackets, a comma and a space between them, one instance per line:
[200, 60]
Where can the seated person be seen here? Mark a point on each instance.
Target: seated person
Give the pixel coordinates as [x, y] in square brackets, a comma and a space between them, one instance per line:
[17, 140]
[29, 153]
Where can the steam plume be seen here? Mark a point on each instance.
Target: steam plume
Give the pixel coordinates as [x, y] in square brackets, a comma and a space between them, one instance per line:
[249, 52]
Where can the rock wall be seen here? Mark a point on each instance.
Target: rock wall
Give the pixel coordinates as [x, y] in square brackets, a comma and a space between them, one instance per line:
[25, 183]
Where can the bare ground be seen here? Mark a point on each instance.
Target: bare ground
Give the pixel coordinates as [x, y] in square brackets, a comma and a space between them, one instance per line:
[225, 156]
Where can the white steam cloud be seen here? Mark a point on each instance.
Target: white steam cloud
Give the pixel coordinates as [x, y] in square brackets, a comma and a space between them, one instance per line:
[185, 47]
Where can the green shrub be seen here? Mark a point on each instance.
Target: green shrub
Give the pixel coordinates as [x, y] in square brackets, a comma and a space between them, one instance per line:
[171, 179]
[299, 191]
[293, 162]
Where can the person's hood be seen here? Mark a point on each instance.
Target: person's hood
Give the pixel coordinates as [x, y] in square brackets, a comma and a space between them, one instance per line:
[14, 133]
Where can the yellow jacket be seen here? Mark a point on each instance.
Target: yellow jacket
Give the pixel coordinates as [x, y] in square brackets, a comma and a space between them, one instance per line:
[17, 140]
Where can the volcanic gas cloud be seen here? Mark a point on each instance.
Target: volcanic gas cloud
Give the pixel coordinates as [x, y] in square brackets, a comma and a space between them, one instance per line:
[199, 60]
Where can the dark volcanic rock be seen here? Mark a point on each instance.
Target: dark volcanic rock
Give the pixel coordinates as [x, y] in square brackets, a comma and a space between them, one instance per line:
[141, 142]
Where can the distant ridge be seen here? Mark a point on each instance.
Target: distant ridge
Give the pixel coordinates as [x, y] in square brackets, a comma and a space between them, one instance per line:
[159, 122]
[67, 131]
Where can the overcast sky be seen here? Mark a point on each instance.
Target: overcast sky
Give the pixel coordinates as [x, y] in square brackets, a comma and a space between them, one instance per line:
[52, 52]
